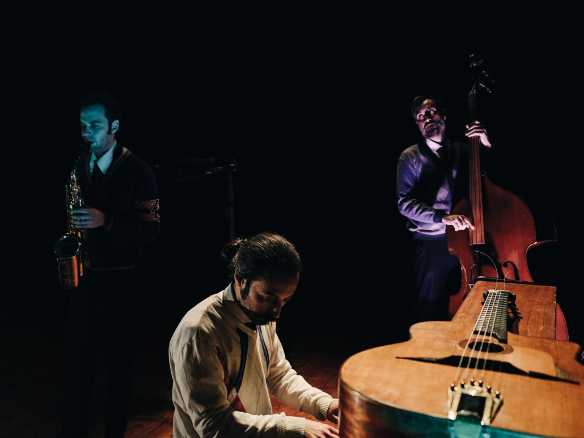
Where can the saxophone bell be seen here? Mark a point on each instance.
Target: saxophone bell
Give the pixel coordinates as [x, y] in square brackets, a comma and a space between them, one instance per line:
[68, 251]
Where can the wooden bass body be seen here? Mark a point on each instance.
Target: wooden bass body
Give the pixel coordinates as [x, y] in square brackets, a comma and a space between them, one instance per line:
[507, 230]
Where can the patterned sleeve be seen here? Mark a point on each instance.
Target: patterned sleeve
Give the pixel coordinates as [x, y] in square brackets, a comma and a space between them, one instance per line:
[139, 223]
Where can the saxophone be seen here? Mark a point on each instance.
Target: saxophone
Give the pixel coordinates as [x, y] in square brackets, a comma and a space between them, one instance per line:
[70, 249]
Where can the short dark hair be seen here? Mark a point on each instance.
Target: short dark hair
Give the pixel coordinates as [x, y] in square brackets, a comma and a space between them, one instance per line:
[419, 100]
[103, 97]
[265, 255]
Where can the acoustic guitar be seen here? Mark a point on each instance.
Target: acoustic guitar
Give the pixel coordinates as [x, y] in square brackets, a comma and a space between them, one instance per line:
[495, 370]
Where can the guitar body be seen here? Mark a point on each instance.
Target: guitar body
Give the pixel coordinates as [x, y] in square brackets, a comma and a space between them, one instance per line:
[403, 389]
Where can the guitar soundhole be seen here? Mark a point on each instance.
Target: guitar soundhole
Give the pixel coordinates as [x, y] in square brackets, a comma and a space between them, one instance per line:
[486, 347]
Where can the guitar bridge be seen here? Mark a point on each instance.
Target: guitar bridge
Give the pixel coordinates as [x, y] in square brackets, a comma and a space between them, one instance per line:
[474, 402]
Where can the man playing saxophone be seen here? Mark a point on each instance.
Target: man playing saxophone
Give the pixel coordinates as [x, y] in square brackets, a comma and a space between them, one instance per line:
[119, 217]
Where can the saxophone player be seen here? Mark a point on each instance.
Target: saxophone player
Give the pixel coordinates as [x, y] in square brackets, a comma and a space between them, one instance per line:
[119, 217]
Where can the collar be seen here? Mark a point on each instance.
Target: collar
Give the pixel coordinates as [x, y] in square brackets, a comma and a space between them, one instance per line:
[426, 147]
[434, 145]
[104, 162]
[235, 308]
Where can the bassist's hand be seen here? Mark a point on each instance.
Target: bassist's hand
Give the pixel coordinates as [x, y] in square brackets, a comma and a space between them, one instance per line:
[475, 129]
[458, 221]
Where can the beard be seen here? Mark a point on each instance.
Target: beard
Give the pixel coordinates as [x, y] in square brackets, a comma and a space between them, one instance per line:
[256, 318]
[432, 129]
[259, 318]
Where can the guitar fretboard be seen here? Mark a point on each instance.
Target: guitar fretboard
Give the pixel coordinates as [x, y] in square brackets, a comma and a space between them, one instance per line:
[492, 320]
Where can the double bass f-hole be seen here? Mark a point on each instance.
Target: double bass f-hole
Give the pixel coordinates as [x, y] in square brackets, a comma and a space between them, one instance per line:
[481, 251]
[483, 255]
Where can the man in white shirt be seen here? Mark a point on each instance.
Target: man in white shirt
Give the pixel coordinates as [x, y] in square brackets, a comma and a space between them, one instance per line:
[226, 359]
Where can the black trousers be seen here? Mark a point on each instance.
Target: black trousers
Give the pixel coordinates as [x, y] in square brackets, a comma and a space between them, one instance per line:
[437, 274]
[101, 321]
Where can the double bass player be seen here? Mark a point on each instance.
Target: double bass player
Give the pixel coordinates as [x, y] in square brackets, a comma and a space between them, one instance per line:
[429, 177]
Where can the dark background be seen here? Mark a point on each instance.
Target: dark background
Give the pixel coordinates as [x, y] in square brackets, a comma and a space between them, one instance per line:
[315, 129]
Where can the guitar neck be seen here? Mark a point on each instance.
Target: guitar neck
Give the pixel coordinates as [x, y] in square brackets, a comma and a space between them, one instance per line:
[492, 320]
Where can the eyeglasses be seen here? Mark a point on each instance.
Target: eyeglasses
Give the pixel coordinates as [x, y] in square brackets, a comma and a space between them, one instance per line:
[428, 112]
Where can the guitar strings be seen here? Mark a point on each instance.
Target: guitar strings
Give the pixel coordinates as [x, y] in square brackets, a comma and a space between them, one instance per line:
[499, 363]
[483, 329]
[460, 369]
[498, 297]
[485, 318]
[485, 325]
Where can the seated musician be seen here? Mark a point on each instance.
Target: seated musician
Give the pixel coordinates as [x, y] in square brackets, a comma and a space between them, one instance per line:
[226, 359]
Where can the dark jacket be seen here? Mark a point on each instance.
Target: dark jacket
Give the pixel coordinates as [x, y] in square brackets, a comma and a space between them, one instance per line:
[426, 186]
[128, 195]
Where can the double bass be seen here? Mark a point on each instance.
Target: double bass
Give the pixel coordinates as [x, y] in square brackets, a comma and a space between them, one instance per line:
[498, 368]
[503, 224]
[504, 228]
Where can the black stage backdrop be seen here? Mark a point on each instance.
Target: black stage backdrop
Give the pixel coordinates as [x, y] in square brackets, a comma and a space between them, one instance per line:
[313, 133]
